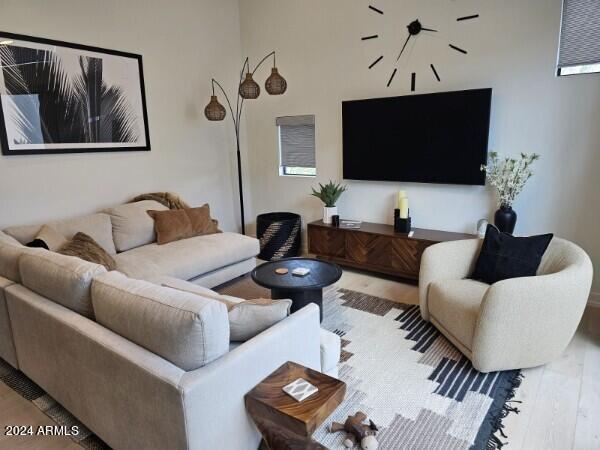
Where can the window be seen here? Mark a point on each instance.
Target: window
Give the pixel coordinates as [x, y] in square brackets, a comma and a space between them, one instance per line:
[297, 145]
[579, 49]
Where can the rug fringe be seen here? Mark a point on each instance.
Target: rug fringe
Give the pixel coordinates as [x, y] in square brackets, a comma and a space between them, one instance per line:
[495, 443]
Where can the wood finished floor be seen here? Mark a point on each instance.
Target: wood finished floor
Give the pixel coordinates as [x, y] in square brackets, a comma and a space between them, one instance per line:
[561, 401]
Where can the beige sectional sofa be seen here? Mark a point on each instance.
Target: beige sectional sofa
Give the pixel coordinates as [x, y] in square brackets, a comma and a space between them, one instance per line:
[127, 233]
[144, 365]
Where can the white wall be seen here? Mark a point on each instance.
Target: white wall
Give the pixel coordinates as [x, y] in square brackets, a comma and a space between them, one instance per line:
[183, 43]
[512, 48]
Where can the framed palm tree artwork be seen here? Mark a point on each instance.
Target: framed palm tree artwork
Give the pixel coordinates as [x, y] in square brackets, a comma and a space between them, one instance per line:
[58, 97]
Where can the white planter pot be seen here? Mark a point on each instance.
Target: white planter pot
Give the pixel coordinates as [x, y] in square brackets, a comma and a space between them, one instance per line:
[328, 213]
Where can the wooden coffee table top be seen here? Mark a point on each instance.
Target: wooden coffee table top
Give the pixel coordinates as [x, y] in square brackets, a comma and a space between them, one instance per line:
[267, 401]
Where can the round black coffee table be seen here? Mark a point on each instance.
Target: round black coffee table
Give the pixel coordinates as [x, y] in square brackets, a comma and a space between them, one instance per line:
[301, 290]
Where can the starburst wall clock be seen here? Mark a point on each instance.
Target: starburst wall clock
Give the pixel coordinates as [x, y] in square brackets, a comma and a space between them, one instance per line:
[414, 29]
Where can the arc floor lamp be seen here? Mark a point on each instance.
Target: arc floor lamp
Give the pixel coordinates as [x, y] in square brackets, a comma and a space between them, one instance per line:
[248, 89]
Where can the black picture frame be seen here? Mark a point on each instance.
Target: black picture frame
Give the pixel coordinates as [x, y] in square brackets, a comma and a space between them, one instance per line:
[142, 113]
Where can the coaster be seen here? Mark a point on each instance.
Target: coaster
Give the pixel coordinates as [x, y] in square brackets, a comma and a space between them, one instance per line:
[281, 271]
[300, 389]
[300, 271]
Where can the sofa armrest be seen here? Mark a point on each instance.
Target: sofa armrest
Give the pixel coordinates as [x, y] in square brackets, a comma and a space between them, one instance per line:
[213, 395]
[528, 321]
[7, 345]
[452, 260]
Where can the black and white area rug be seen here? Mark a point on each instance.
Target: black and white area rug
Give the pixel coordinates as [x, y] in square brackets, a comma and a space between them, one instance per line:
[420, 391]
[411, 381]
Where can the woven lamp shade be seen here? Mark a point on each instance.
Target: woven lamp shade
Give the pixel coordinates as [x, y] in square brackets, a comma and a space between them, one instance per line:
[249, 89]
[275, 84]
[214, 111]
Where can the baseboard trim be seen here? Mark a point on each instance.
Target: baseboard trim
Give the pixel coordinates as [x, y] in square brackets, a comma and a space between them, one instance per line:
[594, 299]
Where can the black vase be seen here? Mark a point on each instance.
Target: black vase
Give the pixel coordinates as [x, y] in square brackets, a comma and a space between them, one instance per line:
[505, 219]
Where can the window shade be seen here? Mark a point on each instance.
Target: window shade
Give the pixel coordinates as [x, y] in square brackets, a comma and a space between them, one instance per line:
[297, 141]
[579, 34]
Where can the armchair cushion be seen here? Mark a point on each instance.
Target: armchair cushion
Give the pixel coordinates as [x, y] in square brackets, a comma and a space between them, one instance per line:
[504, 256]
[454, 305]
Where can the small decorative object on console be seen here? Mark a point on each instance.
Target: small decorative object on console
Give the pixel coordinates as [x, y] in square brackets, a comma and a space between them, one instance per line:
[508, 176]
[402, 222]
[335, 220]
[350, 224]
[300, 389]
[403, 204]
[300, 271]
[401, 225]
[329, 195]
[357, 431]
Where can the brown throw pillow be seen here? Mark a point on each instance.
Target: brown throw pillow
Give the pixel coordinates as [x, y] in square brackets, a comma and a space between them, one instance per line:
[202, 223]
[176, 224]
[86, 248]
[171, 225]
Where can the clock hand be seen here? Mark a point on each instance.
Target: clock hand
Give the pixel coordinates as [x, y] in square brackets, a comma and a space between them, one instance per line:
[403, 47]
[428, 29]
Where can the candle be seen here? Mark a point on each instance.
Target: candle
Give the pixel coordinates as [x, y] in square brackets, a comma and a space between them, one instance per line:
[404, 208]
[401, 195]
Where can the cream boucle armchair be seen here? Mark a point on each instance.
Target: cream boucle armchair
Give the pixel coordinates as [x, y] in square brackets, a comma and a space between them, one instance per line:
[512, 324]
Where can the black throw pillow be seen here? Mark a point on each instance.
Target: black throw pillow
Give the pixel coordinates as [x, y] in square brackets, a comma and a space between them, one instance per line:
[504, 256]
[37, 243]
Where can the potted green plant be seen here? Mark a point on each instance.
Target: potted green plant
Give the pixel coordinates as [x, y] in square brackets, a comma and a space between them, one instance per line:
[508, 176]
[329, 194]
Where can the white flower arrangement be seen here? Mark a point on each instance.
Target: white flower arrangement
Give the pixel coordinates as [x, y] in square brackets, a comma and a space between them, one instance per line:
[509, 175]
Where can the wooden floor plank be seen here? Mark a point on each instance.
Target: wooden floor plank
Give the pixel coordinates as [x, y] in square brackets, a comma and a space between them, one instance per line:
[15, 410]
[587, 430]
[516, 426]
[552, 425]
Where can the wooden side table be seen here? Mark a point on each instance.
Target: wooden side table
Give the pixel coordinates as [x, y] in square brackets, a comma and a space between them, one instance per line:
[284, 422]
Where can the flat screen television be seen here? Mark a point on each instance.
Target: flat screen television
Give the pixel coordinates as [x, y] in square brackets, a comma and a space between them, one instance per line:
[429, 138]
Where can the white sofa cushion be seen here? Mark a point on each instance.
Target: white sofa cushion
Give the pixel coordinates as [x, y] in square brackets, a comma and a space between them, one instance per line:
[65, 280]
[23, 233]
[7, 344]
[186, 329]
[188, 258]
[132, 226]
[97, 226]
[247, 318]
[10, 252]
[455, 305]
[9, 260]
[7, 239]
[51, 237]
